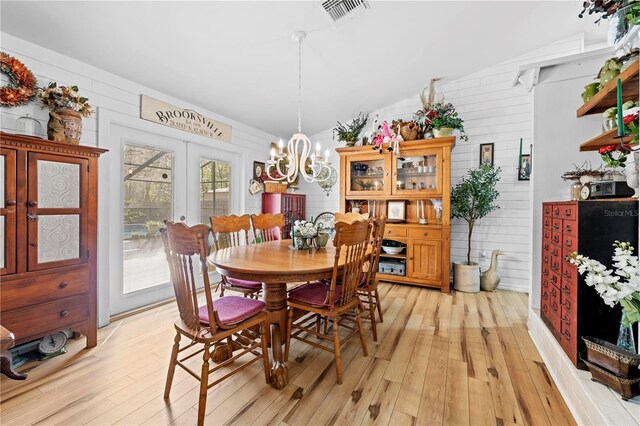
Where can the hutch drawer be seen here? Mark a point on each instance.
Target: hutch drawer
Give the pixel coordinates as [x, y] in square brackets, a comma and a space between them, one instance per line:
[51, 285]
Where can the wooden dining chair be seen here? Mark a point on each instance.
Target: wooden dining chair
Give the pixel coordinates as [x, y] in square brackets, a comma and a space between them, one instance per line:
[332, 301]
[350, 217]
[232, 231]
[267, 226]
[216, 322]
[368, 286]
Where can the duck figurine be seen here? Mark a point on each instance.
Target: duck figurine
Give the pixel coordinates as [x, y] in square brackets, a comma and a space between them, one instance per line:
[490, 278]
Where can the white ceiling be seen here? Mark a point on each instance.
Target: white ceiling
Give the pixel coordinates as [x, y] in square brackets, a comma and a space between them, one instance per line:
[238, 58]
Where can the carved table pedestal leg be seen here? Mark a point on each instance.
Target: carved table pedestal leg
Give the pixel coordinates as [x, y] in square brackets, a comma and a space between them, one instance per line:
[275, 297]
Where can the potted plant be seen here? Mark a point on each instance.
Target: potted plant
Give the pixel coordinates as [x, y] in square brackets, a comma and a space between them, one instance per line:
[349, 133]
[471, 199]
[446, 120]
[66, 109]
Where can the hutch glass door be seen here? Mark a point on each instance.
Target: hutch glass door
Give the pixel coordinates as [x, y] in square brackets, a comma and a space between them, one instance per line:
[367, 174]
[418, 173]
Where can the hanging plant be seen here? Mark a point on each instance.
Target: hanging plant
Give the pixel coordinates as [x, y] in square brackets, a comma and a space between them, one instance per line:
[22, 84]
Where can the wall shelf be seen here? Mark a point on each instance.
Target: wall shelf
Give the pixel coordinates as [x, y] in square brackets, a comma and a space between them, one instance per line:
[606, 138]
[606, 97]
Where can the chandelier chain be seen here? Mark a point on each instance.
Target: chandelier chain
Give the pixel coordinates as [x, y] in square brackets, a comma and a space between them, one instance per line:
[299, 84]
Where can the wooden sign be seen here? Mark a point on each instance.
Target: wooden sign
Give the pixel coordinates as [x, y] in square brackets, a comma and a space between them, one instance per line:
[184, 119]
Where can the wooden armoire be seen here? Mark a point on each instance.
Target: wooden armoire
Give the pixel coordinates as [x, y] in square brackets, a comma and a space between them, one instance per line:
[412, 183]
[48, 219]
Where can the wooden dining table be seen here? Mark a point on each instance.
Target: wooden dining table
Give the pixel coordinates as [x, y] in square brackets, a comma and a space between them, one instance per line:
[275, 264]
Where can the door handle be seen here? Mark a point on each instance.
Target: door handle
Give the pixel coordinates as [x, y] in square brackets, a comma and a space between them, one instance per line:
[10, 202]
[32, 203]
[182, 218]
[31, 216]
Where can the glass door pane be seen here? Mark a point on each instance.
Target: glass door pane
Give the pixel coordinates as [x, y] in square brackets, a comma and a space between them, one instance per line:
[367, 175]
[418, 173]
[215, 177]
[148, 201]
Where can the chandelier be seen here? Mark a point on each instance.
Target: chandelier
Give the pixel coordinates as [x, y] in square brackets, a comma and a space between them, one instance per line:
[298, 157]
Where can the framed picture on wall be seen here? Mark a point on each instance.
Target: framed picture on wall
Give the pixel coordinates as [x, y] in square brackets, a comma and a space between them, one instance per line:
[486, 154]
[258, 170]
[396, 210]
[524, 169]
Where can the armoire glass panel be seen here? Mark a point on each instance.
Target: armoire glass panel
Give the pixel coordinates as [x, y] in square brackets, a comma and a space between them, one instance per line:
[58, 185]
[58, 237]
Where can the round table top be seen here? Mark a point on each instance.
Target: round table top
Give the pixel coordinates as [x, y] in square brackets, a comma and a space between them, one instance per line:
[274, 262]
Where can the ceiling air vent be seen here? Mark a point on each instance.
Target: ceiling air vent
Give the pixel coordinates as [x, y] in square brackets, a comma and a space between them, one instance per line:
[339, 9]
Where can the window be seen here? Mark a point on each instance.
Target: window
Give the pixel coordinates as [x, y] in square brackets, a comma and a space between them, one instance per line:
[214, 189]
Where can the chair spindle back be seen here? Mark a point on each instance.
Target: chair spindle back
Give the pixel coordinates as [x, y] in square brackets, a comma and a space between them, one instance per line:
[268, 226]
[376, 247]
[351, 243]
[181, 243]
[228, 230]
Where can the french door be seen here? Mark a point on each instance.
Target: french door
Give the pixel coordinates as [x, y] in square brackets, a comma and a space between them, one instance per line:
[160, 178]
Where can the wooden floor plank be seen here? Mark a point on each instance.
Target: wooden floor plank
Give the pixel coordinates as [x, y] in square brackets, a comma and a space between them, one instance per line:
[456, 406]
[440, 359]
[481, 412]
[357, 406]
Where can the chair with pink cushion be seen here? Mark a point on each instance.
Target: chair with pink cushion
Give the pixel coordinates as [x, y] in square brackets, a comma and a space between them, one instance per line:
[336, 300]
[237, 322]
[267, 226]
[231, 231]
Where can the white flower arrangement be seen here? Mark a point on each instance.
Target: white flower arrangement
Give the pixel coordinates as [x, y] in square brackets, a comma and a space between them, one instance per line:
[619, 286]
[306, 229]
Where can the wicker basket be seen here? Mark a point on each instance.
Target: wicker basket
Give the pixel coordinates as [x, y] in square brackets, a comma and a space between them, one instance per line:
[271, 187]
[613, 358]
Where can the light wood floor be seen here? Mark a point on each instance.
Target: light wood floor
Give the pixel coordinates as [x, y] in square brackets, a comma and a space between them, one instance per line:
[441, 359]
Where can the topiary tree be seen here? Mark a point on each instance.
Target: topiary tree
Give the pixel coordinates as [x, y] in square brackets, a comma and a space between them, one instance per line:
[474, 197]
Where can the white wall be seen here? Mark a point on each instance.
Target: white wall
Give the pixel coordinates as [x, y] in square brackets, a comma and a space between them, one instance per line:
[112, 95]
[496, 112]
[558, 135]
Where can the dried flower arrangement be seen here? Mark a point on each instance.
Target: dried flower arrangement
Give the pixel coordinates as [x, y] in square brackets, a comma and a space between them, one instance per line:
[585, 169]
[54, 97]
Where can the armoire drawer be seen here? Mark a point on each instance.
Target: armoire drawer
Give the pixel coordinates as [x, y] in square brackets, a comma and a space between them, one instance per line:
[51, 316]
[570, 227]
[44, 287]
[432, 234]
[395, 232]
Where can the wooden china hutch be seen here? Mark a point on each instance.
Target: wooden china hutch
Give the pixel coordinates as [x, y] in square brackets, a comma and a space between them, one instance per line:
[48, 215]
[381, 181]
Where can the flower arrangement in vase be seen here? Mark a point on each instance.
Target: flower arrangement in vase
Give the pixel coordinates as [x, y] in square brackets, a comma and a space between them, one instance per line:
[66, 109]
[618, 286]
[305, 235]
